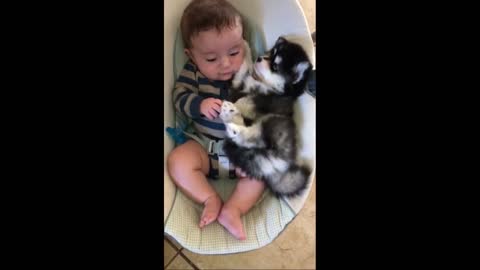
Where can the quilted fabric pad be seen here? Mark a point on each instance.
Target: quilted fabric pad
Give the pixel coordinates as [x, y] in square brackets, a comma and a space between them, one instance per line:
[262, 223]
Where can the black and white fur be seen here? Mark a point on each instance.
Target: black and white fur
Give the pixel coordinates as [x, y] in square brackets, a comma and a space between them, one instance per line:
[261, 133]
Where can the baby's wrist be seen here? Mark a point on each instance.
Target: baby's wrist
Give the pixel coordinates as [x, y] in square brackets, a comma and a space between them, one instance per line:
[195, 106]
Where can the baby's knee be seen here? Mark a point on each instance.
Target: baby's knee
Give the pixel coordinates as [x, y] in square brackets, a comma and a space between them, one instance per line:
[174, 161]
[184, 159]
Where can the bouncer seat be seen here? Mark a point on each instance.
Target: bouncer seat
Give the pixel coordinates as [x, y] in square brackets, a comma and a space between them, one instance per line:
[266, 20]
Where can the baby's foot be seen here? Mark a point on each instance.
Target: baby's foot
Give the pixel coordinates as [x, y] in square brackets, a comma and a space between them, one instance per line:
[211, 210]
[230, 218]
[228, 112]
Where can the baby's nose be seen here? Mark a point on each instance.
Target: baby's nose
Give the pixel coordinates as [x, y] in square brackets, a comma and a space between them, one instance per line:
[226, 61]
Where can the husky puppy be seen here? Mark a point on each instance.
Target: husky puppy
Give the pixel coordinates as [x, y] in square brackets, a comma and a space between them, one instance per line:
[261, 133]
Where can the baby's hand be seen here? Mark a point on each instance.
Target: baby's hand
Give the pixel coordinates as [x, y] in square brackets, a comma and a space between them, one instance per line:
[210, 107]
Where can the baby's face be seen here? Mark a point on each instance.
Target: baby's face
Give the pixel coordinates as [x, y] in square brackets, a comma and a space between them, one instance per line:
[218, 55]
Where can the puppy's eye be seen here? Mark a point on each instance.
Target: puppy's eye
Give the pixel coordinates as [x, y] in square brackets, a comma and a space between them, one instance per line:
[274, 67]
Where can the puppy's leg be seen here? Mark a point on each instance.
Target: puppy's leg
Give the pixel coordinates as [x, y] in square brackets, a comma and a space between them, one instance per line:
[245, 68]
[248, 56]
[240, 75]
[246, 107]
[250, 85]
[229, 113]
[249, 137]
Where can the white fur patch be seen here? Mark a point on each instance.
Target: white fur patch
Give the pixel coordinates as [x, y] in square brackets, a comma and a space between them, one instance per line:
[251, 83]
[290, 182]
[271, 165]
[279, 164]
[244, 68]
[265, 164]
[278, 60]
[300, 70]
[246, 107]
[245, 136]
[274, 80]
[237, 79]
[229, 113]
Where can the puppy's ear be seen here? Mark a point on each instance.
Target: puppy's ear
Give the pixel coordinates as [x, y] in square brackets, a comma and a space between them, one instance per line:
[280, 40]
[301, 71]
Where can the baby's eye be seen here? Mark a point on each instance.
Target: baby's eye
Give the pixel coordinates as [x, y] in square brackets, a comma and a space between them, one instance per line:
[212, 60]
[233, 53]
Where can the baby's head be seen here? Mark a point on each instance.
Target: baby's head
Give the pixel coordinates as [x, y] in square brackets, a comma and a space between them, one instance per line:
[212, 31]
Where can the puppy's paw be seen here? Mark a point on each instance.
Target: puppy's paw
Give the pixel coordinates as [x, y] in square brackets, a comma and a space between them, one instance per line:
[228, 111]
[241, 73]
[233, 130]
[248, 53]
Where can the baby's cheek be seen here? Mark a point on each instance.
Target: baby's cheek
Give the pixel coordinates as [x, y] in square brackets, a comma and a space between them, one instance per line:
[238, 62]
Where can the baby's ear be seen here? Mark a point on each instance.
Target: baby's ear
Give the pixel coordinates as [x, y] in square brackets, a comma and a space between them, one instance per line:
[188, 53]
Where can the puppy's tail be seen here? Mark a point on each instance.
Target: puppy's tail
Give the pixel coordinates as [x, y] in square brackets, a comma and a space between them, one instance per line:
[293, 182]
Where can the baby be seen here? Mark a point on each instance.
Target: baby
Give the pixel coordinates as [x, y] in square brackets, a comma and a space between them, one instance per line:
[212, 32]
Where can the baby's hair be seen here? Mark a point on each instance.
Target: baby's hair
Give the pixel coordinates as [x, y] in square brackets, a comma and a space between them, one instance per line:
[203, 15]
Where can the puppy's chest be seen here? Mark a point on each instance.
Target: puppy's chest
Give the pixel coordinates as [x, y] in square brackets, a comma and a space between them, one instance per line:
[248, 122]
[273, 104]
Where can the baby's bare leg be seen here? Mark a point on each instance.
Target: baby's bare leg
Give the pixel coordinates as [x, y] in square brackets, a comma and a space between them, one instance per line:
[187, 165]
[246, 194]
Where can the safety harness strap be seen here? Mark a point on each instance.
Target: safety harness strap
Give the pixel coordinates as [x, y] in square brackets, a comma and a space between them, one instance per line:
[214, 147]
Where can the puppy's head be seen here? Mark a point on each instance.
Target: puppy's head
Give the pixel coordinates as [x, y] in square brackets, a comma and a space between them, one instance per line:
[285, 68]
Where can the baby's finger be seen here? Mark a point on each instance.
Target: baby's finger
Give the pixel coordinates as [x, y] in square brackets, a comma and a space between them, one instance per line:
[217, 107]
[218, 102]
[213, 113]
[209, 116]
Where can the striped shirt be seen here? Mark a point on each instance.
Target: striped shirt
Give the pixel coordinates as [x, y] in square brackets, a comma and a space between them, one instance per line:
[190, 89]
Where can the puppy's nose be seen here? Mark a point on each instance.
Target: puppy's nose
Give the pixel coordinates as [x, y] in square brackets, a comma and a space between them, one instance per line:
[259, 59]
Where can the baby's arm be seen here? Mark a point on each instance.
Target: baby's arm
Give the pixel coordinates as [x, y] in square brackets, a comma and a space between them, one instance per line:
[187, 100]
[195, 106]
[185, 94]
